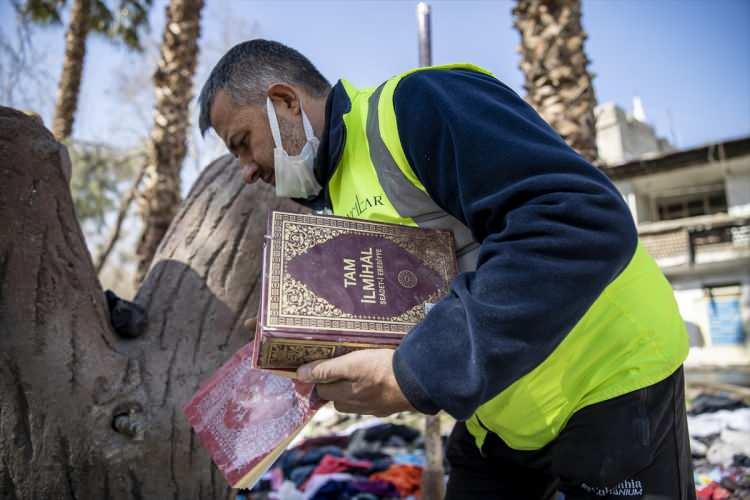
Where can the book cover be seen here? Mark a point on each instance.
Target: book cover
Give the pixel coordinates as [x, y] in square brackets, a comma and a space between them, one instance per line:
[246, 417]
[332, 285]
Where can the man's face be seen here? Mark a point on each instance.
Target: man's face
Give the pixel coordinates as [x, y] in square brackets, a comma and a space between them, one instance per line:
[246, 133]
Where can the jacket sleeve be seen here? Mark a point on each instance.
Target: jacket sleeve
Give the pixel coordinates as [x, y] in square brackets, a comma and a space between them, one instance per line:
[553, 231]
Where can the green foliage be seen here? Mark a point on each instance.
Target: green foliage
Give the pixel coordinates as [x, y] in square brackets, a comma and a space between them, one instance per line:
[120, 21]
[131, 19]
[42, 11]
[101, 175]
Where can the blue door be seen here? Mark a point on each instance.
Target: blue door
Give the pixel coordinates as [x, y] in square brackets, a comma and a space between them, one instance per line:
[725, 316]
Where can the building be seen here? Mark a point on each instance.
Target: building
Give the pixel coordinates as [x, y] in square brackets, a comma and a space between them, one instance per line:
[692, 209]
[622, 137]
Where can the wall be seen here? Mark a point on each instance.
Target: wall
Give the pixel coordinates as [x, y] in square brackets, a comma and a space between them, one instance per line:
[738, 192]
[694, 308]
[639, 203]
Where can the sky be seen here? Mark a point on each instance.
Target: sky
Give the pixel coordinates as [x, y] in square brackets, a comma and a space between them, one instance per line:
[688, 60]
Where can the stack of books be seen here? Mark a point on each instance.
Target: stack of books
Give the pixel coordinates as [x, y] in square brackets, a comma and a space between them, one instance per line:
[331, 285]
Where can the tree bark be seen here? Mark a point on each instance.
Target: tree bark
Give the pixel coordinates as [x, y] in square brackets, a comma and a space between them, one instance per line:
[72, 71]
[85, 414]
[173, 82]
[554, 63]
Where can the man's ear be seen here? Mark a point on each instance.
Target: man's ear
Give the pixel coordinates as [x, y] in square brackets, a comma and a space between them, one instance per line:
[285, 98]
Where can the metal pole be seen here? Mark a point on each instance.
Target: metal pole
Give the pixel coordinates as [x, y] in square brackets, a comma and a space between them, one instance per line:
[425, 34]
[432, 476]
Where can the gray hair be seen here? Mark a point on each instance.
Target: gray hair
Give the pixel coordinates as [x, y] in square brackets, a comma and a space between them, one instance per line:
[249, 68]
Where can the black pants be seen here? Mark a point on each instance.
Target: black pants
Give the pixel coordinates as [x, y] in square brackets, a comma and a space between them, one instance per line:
[632, 446]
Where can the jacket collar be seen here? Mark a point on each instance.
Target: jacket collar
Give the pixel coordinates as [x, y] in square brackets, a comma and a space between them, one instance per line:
[331, 145]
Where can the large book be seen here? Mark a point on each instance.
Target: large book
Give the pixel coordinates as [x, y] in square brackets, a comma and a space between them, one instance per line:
[246, 417]
[332, 285]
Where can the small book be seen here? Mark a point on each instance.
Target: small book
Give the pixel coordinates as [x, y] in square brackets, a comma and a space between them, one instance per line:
[332, 285]
[246, 417]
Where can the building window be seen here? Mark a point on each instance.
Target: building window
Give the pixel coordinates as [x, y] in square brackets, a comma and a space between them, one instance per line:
[707, 201]
[725, 314]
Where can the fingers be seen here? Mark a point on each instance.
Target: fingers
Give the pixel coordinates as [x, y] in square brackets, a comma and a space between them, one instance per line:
[346, 367]
[335, 391]
[342, 395]
[359, 382]
[346, 400]
[342, 407]
[324, 370]
[304, 372]
[251, 323]
[250, 326]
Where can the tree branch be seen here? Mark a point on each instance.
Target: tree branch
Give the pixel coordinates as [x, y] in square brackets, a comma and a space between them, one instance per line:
[101, 259]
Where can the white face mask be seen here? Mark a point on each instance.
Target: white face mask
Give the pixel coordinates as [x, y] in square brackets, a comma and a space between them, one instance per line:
[294, 174]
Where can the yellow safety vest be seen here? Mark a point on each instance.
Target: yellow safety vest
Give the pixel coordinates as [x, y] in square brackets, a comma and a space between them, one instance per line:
[632, 336]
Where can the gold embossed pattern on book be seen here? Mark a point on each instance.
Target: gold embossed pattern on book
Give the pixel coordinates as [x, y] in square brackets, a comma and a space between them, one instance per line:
[290, 353]
[292, 304]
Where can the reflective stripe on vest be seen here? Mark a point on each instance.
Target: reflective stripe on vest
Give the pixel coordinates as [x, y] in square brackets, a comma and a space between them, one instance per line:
[632, 336]
[410, 201]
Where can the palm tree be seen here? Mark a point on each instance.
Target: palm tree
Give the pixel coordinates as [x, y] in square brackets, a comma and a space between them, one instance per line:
[173, 81]
[554, 63]
[122, 21]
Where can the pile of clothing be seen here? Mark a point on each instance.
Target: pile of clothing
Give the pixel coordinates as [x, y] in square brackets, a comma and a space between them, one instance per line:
[370, 459]
[719, 429]
[379, 461]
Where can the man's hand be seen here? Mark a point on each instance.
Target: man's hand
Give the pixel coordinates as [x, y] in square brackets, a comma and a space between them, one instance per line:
[358, 382]
[250, 325]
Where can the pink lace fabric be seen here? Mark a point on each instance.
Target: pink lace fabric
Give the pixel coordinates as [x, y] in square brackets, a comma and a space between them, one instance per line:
[242, 414]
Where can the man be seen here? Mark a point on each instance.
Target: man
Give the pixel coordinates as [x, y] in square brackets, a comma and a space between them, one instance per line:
[559, 347]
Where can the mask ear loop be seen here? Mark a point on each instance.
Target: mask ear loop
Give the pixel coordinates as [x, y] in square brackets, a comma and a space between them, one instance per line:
[309, 134]
[274, 123]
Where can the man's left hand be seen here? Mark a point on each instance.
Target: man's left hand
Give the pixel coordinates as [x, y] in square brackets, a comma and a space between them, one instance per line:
[358, 382]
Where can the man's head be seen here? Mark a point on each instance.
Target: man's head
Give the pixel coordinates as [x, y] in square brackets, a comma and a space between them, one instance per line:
[233, 102]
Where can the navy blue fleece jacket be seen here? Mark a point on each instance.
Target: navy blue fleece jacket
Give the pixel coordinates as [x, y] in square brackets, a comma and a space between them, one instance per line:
[553, 230]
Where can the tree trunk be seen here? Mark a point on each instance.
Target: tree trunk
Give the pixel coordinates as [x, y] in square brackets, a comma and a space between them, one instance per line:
[173, 82]
[555, 66]
[85, 414]
[70, 80]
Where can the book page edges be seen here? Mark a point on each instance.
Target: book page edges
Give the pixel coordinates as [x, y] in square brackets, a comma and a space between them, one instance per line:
[249, 479]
